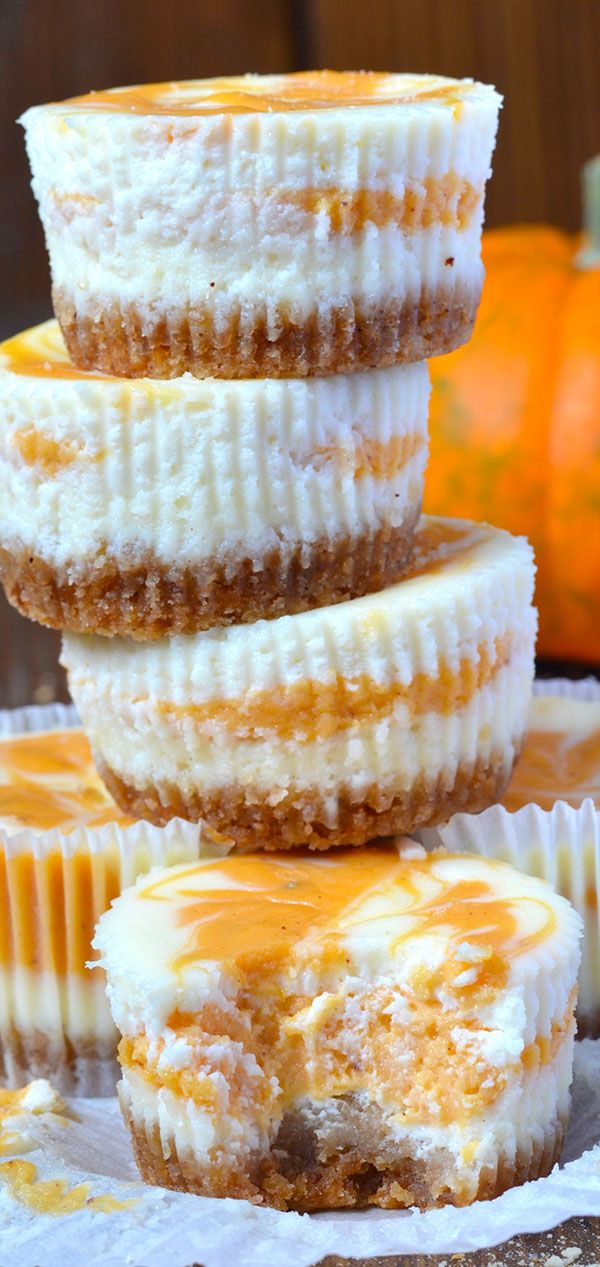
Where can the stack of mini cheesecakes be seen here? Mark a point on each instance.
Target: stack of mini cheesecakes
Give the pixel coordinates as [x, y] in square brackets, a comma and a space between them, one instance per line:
[225, 469]
[212, 481]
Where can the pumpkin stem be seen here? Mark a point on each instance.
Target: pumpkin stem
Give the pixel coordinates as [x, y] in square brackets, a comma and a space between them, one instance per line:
[589, 255]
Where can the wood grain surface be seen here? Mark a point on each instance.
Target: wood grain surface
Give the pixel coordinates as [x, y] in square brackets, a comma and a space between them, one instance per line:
[542, 54]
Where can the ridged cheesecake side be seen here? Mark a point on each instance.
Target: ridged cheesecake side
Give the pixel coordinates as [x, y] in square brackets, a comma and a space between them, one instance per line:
[336, 725]
[265, 225]
[143, 507]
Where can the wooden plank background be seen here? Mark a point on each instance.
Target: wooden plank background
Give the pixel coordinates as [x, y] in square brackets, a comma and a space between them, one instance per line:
[543, 54]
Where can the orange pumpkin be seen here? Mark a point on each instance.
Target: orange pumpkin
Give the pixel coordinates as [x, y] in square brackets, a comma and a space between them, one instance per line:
[515, 423]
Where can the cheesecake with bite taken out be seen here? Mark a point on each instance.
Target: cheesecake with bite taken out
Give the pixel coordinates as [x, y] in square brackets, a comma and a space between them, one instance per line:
[369, 1027]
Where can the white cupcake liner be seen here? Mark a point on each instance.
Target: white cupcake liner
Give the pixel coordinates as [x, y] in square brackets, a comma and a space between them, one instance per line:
[584, 688]
[24, 721]
[561, 845]
[55, 1022]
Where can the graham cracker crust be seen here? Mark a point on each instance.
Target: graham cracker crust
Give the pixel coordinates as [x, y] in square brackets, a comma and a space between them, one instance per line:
[148, 599]
[298, 1174]
[88, 1067]
[307, 818]
[120, 340]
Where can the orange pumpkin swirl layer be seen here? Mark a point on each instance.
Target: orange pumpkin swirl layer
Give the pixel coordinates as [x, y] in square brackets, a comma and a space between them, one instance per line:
[293, 225]
[328, 727]
[552, 827]
[289, 1002]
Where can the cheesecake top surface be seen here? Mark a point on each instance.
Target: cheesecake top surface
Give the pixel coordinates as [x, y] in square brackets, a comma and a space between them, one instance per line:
[381, 910]
[40, 352]
[260, 94]
[561, 757]
[48, 780]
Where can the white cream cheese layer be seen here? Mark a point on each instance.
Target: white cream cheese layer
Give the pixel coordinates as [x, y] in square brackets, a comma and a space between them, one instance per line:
[183, 198]
[187, 471]
[428, 675]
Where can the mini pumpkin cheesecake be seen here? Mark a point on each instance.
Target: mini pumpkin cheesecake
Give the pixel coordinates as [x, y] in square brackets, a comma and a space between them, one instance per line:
[548, 821]
[265, 226]
[558, 777]
[367, 1027]
[335, 725]
[66, 850]
[142, 507]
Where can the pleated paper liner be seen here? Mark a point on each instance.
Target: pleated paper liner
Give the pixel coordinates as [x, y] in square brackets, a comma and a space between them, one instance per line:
[561, 845]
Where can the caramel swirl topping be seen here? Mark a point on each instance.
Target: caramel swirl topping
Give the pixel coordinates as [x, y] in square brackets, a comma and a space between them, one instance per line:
[41, 353]
[561, 757]
[258, 914]
[305, 90]
[49, 780]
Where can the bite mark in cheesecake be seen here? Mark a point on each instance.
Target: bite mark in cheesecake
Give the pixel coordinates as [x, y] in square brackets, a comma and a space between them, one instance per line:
[374, 1009]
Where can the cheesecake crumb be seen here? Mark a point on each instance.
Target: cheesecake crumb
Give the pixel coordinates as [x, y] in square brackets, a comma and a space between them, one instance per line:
[568, 1255]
